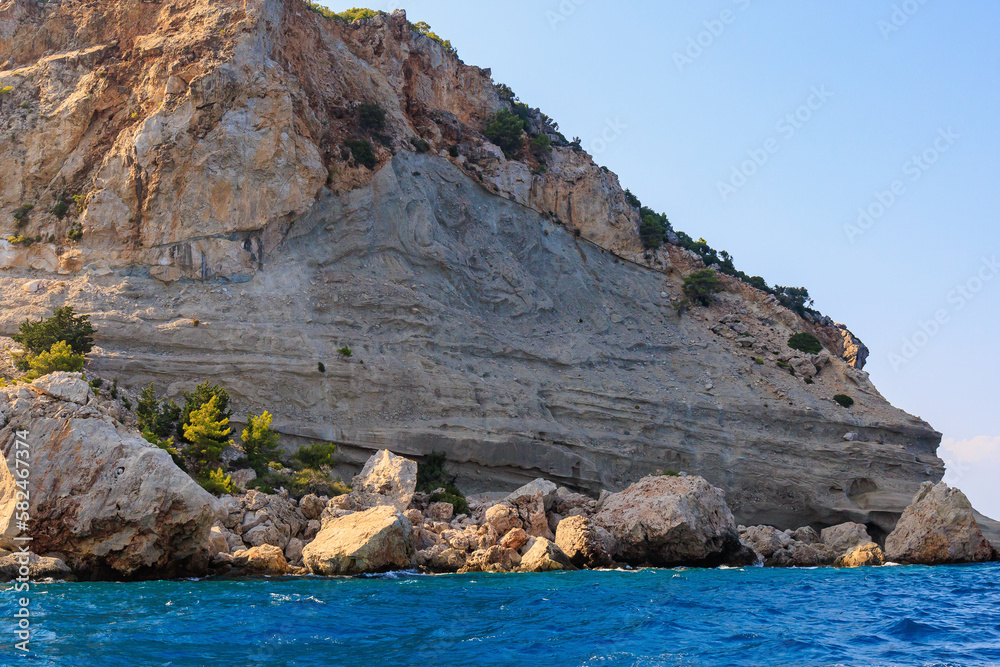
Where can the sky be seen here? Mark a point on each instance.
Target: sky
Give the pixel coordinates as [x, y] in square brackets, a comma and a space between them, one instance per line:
[851, 147]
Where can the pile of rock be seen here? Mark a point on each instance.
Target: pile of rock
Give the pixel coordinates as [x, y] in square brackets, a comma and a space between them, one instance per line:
[161, 523]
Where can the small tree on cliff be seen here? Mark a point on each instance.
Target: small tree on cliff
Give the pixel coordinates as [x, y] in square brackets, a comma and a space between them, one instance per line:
[701, 286]
[197, 399]
[64, 326]
[207, 433]
[260, 442]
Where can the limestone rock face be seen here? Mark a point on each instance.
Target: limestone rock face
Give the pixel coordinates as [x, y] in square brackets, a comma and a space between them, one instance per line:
[866, 555]
[545, 556]
[386, 479]
[200, 147]
[377, 540]
[937, 529]
[546, 488]
[669, 521]
[578, 538]
[102, 496]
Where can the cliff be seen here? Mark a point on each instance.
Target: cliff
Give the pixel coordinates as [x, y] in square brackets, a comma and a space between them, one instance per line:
[181, 170]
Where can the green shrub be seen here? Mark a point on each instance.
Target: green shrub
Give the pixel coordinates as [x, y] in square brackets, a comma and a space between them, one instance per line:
[166, 445]
[75, 233]
[197, 399]
[363, 152]
[667, 473]
[20, 239]
[316, 455]
[504, 129]
[207, 434]
[6, 90]
[425, 30]
[316, 482]
[758, 361]
[541, 146]
[805, 342]
[420, 144]
[700, 286]
[61, 207]
[260, 442]
[844, 400]
[60, 357]
[218, 483]
[651, 232]
[346, 16]
[371, 116]
[453, 151]
[64, 325]
[505, 93]
[159, 419]
[345, 352]
[632, 200]
[432, 475]
[21, 214]
[452, 495]
[321, 367]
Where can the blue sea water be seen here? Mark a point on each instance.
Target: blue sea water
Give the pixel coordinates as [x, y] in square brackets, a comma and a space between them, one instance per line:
[752, 616]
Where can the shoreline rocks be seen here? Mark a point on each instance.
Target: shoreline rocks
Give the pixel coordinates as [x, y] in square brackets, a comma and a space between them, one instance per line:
[939, 528]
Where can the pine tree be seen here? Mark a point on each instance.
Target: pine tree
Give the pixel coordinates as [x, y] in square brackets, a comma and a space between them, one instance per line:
[207, 433]
[260, 442]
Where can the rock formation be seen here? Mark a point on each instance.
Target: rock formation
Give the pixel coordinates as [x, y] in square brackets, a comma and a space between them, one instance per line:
[866, 555]
[937, 529]
[667, 521]
[104, 499]
[498, 311]
[375, 540]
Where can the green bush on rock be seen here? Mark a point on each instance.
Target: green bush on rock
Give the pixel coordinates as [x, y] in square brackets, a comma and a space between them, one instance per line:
[844, 401]
[701, 286]
[805, 342]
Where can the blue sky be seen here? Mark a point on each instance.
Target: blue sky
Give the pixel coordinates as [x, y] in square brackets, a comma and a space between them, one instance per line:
[770, 129]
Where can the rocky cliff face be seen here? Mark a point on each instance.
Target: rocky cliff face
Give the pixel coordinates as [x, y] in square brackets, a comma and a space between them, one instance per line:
[500, 312]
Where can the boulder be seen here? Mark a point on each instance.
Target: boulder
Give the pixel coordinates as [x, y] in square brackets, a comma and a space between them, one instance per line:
[866, 555]
[33, 566]
[492, 559]
[69, 387]
[266, 559]
[806, 534]
[441, 558]
[779, 549]
[531, 511]
[311, 507]
[670, 521]
[441, 511]
[502, 518]
[843, 538]
[218, 540]
[376, 540]
[548, 490]
[578, 538]
[545, 556]
[514, 539]
[101, 495]
[293, 552]
[938, 528]
[386, 479]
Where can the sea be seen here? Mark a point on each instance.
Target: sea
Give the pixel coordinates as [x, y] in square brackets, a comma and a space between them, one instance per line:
[749, 616]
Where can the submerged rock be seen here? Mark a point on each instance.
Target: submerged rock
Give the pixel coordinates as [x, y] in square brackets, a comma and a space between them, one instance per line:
[376, 540]
[938, 528]
[670, 521]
